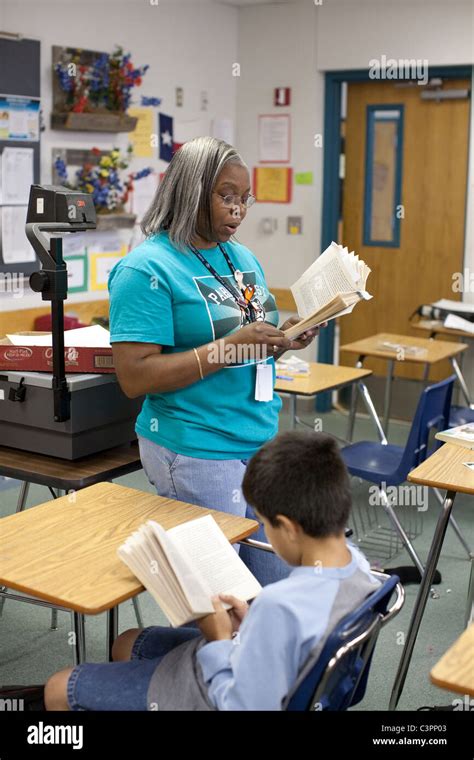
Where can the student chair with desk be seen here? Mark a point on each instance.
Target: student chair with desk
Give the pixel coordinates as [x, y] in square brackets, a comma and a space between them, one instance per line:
[389, 465]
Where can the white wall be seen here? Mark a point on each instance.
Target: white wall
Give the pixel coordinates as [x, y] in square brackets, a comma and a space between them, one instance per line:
[178, 41]
[350, 33]
[277, 48]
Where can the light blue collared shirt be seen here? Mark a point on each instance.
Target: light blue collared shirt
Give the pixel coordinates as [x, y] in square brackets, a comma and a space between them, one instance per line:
[257, 669]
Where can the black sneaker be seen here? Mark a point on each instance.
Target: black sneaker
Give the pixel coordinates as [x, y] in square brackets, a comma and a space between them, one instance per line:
[22, 698]
[410, 574]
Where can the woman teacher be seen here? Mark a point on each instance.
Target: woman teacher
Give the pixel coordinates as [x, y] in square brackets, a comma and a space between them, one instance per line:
[194, 330]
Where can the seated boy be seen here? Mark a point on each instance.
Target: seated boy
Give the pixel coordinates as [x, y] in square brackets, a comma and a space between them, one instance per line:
[247, 658]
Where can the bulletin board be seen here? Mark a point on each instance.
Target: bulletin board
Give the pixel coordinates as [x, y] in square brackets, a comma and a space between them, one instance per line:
[19, 78]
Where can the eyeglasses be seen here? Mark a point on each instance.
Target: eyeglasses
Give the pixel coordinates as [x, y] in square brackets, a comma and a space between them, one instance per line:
[234, 200]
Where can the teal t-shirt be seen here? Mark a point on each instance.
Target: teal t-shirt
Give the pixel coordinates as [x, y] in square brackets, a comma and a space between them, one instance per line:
[161, 295]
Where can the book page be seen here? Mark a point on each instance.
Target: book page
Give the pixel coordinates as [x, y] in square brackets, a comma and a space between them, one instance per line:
[191, 582]
[135, 554]
[218, 564]
[325, 278]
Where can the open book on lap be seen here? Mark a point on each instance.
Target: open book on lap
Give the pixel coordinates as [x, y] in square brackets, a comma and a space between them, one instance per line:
[185, 566]
[330, 288]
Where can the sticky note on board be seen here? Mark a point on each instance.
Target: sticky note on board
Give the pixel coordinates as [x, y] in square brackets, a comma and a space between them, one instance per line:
[303, 178]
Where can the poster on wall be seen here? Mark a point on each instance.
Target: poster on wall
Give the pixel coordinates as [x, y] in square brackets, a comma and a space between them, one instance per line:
[77, 279]
[274, 138]
[19, 118]
[141, 137]
[272, 184]
[101, 266]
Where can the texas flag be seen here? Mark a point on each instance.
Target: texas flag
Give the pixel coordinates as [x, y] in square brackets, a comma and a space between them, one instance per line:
[166, 137]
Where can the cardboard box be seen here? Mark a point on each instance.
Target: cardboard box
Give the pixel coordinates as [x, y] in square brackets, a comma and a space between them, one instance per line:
[40, 358]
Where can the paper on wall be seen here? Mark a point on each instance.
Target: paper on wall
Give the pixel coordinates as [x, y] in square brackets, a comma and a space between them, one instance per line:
[143, 193]
[17, 175]
[15, 246]
[223, 129]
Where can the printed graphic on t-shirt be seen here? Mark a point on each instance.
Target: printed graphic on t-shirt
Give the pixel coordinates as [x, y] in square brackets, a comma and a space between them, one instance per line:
[225, 315]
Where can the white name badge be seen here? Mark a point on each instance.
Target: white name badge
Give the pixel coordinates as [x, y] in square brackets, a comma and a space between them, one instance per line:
[264, 382]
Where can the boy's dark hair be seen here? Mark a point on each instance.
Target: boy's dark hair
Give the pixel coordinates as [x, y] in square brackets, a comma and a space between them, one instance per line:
[300, 475]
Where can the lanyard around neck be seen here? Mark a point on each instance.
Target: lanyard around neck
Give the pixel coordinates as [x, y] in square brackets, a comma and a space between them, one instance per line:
[247, 306]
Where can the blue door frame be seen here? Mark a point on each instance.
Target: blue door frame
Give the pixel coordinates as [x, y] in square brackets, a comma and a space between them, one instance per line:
[331, 181]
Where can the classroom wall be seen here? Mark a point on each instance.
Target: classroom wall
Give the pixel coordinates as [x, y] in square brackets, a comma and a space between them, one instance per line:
[180, 43]
[292, 45]
[439, 31]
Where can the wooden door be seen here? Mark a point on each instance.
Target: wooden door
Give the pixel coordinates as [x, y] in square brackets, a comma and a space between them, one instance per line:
[433, 157]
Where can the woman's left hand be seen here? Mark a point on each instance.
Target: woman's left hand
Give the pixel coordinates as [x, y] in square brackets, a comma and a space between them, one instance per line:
[305, 338]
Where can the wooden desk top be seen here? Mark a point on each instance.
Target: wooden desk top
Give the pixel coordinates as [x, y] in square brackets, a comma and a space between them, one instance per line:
[322, 377]
[436, 326]
[64, 551]
[445, 469]
[435, 350]
[455, 670]
[67, 474]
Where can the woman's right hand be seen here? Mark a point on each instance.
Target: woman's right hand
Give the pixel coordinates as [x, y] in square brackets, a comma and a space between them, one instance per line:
[259, 334]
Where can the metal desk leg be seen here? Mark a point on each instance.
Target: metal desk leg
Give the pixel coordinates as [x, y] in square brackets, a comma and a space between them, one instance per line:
[462, 383]
[353, 406]
[422, 597]
[293, 411]
[388, 394]
[138, 613]
[54, 620]
[469, 618]
[79, 638]
[371, 409]
[22, 497]
[455, 526]
[112, 630]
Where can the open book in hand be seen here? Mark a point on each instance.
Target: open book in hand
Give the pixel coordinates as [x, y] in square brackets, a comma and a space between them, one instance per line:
[185, 566]
[330, 288]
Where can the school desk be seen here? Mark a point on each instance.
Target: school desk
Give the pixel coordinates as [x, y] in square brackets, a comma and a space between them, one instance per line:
[435, 327]
[431, 351]
[327, 377]
[64, 552]
[444, 469]
[66, 475]
[455, 670]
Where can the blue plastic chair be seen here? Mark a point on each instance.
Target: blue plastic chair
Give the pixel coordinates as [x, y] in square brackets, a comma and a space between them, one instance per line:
[336, 678]
[389, 465]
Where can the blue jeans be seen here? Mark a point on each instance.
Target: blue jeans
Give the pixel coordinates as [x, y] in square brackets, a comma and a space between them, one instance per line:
[124, 685]
[211, 483]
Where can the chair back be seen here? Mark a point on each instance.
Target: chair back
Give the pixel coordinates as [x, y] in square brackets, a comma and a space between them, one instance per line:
[336, 677]
[432, 413]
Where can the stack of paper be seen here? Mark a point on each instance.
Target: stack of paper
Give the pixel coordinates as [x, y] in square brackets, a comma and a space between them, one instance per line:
[293, 366]
[94, 336]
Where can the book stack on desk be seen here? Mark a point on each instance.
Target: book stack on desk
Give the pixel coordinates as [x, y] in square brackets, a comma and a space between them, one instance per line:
[462, 435]
[291, 368]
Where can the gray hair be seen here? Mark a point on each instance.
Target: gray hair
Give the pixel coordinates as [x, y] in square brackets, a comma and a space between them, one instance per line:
[182, 204]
